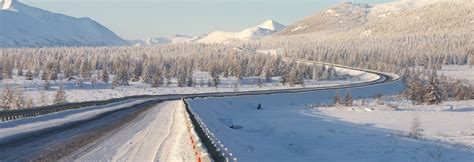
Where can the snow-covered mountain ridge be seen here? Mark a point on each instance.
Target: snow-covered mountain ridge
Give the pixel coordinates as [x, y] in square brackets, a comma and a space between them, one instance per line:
[267, 28]
[264, 29]
[178, 38]
[25, 26]
[402, 15]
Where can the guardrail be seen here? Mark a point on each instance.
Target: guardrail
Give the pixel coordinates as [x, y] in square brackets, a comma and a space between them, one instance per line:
[21, 113]
[200, 151]
[215, 148]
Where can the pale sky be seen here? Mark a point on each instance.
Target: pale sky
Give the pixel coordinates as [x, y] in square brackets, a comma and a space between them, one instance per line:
[141, 19]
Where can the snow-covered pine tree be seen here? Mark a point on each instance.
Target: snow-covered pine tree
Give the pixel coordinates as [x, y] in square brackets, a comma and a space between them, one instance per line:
[44, 99]
[216, 80]
[29, 75]
[415, 90]
[53, 74]
[137, 71]
[122, 77]
[7, 97]
[20, 72]
[60, 96]
[209, 83]
[181, 79]
[157, 80]
[434, 95]
[28, 102]
[6, 71]
[46, 84]
[348, 98]
[18, 99]
[337, 98]
[68, 72]
[324, 73]
[189, 79]
[283, 80]
[44, 75]
[293, 76]
[86, 70]
[105, 75]
[148, 72]
[316, 72]
[267, 74]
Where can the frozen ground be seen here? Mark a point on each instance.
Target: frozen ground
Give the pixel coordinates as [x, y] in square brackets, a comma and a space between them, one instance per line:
[102, 91]
[288, 128]
[464, 72]
[158, 135]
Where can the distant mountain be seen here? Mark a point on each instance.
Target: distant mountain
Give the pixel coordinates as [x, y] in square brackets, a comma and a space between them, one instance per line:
[416, 16]
[265, 29]
[165, 40]
[400, 16]
[342, 17]
[25, 26]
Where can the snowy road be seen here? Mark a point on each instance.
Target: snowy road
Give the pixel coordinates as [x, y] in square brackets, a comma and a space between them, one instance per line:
[138, 130]
[157, 135]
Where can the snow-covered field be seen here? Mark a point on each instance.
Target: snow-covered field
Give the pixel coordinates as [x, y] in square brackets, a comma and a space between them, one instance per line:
[450, 122]
[101, 91]
[299, 127]
[464, 72]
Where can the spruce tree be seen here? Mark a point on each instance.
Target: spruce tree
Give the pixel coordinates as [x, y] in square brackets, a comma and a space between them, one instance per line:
[18, 99]
[105, 76]
[337, 98]
[6, 71]
[20, 72]
[434, 95]
[7, 97]
[29, 75]
[53, 74]
[157, 80]
[190, 80]
[348, 99]
[86, 70]
[60, 96]
[46, 84]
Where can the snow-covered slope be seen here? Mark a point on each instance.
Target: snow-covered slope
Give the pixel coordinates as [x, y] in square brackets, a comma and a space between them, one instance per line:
[166, 40]
[341, 17]
[25, 26]
[265, 29]
[402, 15]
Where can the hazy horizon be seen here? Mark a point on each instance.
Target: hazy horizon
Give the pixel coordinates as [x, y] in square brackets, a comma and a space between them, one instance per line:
[153, 18]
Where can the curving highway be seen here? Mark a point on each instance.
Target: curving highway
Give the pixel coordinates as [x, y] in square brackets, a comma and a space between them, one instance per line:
[146, 129]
